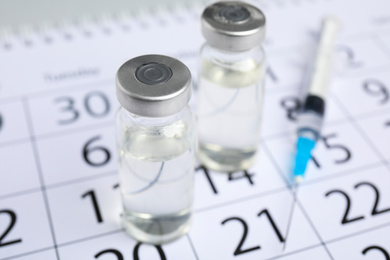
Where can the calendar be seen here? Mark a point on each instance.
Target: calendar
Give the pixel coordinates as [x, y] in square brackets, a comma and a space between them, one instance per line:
[59, 196]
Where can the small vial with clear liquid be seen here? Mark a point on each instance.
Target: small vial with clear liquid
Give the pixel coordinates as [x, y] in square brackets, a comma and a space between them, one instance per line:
[230, 85]
[156, 142]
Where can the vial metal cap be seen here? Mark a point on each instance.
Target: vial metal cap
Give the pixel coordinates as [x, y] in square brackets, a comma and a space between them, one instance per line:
[153, 85]
[233, 26]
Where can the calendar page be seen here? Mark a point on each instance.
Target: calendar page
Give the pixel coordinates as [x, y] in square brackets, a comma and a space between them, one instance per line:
[59, 196]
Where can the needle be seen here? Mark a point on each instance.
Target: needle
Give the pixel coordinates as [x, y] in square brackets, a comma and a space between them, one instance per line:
[295, 192]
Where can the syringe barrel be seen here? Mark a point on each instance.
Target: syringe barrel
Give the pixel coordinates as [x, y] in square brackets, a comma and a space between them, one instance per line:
[321, 68]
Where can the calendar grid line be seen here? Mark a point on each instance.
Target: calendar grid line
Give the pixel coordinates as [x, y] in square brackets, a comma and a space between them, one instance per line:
[299, 204]
[343, 173]
[379, 164]
[54, 185]
[40, 174]
[285, 50]
[261, 194]
[232, 202]
[91, 237]
[295, 252]
[64, 143]
[92, 84]
[19, 193]
[369, 71]
[67, 88]
[368, 140]
[81, 180]
[110, 82]
[334, 175]
[29, 253]
[358, 233]
[335, 122]
[290, 215]
[343, 75]
[372, 114]
[107, 124]
[13, 142]
[346, 37]
[378, 40]
[61, 184]
[362, 35]
[281, 89]
[12, 99]
[100, 125]
[296, 200]
[275, 164]
[362, 133]
[192, 246]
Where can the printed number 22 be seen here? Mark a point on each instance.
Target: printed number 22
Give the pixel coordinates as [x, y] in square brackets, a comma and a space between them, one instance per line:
[375, 210]
[10, 226]
[377, 248]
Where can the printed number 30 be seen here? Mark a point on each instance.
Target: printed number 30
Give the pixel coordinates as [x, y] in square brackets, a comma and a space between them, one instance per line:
[74, 113]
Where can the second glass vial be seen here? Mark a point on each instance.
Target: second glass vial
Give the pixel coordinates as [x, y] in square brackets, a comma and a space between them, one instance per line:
[156, 144]
[230, 86]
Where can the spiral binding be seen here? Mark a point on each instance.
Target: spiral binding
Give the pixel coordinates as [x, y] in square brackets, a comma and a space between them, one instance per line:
[105, 24]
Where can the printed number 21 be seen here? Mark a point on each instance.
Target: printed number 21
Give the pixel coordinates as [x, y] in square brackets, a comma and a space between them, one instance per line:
[239, 249]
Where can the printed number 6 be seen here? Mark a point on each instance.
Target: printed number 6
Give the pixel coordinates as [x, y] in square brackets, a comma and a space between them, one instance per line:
[87, 151]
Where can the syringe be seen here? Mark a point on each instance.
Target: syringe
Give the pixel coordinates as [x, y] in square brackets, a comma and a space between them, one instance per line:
[311, 117]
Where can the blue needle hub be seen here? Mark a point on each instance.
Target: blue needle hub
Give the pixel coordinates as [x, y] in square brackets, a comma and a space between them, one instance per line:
[304, 147]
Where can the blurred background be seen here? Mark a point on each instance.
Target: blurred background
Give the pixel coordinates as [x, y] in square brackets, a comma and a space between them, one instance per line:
[19, 13]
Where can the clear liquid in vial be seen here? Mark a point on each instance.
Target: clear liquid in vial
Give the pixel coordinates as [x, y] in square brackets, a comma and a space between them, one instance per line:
[156, 174]
[229, 112]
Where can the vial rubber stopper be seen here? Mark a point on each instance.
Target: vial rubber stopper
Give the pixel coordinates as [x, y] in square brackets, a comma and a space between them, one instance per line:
[233, 26]
[153, 85]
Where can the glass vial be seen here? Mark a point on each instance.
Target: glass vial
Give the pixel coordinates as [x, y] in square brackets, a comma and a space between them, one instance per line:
[230, 85]
[156, 143]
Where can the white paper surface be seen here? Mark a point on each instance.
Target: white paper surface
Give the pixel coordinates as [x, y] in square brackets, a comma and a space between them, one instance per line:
[57, 94]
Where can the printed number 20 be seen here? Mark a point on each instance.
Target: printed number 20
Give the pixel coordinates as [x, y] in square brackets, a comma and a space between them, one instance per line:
[119, 255]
